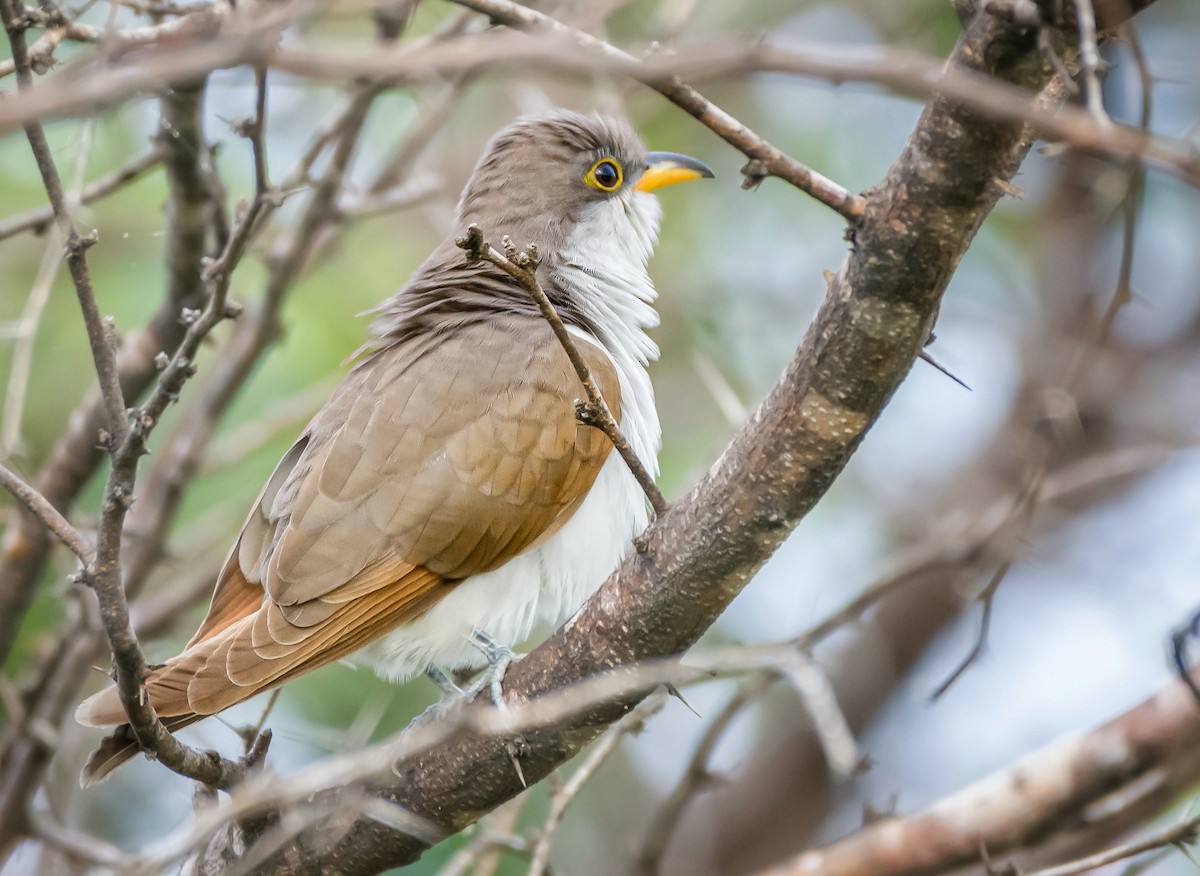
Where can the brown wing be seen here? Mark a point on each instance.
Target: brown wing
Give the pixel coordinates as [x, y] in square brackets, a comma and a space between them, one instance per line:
[435, 460]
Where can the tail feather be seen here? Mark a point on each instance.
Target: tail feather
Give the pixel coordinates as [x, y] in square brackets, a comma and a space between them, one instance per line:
[119, 746]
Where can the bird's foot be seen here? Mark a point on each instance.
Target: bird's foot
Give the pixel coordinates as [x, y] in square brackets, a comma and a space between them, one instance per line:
[499, 658]
[452, 695]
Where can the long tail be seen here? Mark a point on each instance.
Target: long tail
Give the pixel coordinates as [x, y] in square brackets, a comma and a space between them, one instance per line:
[119, 746]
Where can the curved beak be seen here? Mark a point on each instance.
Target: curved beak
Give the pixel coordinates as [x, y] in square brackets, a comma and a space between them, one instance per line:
[668, 168]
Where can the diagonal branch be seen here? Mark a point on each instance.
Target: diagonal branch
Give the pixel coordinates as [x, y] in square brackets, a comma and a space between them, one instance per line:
[99, 331]
[77, 455]
[37, 504]
[39, 219]
[522, 267]
[1181, 834]
[765, 159]
[1154, 742]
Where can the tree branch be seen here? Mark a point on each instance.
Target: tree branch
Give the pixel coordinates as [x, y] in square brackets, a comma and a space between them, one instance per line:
[38, 220]
[522, 267]
[1044, 792]
[36, 503]
[99, 331]
[1183, 833]
[765, 159]
[78, 453]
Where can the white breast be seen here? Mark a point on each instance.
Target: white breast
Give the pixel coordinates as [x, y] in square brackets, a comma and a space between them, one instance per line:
[551, 582]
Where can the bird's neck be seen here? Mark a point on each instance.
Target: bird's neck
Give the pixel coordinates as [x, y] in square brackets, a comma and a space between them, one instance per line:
[602, 272]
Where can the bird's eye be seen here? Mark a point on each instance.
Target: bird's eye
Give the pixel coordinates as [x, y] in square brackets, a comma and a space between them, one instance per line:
[604, 175]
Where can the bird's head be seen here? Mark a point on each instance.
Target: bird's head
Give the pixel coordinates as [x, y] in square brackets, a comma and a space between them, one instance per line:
[565, 181]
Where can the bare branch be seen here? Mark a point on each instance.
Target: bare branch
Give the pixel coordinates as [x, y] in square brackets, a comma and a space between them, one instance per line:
[180, 146]
[522, 267]
[36, 503]
[1089, 61]
[765, 159]
[631, 724]
[496, 835]
[1018, 805]
[100, 332]
[106, 578]
[38, 220]
[697, 776]
[901, 73]
[832, 729]
[1183, 833]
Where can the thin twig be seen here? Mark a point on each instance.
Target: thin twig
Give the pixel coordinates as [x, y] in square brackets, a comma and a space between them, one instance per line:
[697, 776]
[833, 730]
[179, 461]
[1060, 406]
[26, 328]
[900, 73]
[1089, 61]
[99, 330]
[1181, 834]
[765, 159]
[987, 598]
[106, 579]
[481, 855]
[37, 504]
[24, 333]
[254, 131]
[79, 846]
[38, 220]
[631, 724]
[522, 267]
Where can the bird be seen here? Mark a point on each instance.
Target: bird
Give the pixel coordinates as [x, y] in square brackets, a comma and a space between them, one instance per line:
[447, 498]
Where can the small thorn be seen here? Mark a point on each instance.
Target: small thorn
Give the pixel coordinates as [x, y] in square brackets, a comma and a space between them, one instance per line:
[674, 691]
[512, 756]
[1008, 188]
[925, 357]
[755, 171]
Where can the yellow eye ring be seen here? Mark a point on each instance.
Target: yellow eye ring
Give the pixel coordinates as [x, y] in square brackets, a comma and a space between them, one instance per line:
[605, 175]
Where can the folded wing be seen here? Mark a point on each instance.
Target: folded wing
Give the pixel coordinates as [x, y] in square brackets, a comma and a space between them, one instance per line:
[436, 459]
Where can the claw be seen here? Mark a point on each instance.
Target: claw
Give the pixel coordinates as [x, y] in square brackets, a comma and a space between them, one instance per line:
[445, 683]
[451, 696]
[499, 658]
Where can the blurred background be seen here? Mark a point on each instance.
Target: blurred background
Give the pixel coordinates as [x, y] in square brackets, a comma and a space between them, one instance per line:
[1106, 566]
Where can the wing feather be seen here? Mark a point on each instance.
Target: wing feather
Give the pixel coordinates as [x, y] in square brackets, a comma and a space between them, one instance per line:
[436, 459]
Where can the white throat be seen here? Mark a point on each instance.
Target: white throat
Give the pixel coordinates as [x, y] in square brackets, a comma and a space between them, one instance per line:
[604, 263]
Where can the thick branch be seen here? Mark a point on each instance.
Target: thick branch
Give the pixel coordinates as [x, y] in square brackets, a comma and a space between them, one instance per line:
[875, 320]
[1042, 794]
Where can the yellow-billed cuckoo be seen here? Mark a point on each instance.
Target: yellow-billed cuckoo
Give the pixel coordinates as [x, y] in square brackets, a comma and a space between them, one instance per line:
[445, 499]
